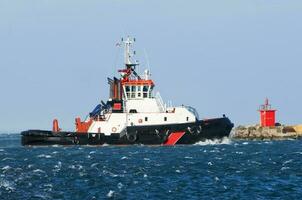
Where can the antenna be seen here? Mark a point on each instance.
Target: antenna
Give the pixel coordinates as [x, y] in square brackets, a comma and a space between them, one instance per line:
[147, 60]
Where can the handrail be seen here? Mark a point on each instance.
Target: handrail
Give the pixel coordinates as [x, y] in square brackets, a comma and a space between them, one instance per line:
[160, 102]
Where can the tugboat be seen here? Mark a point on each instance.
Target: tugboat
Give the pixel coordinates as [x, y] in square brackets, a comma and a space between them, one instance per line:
[134, 114]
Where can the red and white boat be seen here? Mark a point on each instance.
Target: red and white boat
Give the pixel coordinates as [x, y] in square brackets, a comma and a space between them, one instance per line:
[134, 114]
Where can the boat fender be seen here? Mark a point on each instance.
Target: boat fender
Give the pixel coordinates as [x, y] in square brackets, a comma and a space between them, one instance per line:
[190, 129]
[165, 135]
[76, 140]
[131, 137]
[140, 121]
[193, 130]
[199, 129]
[114, 129]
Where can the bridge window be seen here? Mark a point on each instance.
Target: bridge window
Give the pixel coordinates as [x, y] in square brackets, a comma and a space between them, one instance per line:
[133, 91]
[127, 88]
[138, 91]
[145, 91]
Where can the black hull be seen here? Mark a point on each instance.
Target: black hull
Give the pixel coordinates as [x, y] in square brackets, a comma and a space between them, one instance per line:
[147, 135]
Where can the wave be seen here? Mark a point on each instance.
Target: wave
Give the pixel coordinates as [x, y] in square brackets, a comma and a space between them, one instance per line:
[110, 194]
[7, 185]
[224, 140]
[9, 132]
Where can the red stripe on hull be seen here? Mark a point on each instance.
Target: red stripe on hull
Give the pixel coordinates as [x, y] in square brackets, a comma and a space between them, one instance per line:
[174, 137]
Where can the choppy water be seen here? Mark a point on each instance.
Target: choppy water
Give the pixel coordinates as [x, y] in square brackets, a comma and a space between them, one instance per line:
[208, 170]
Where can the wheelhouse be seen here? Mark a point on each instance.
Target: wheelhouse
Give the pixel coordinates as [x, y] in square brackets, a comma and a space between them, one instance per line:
[138, 89]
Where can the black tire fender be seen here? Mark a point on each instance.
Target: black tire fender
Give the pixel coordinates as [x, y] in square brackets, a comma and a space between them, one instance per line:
[76, 140]
[131, 137]
[199, 129]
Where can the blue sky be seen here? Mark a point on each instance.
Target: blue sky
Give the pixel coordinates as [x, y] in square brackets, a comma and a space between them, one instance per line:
[222, 57]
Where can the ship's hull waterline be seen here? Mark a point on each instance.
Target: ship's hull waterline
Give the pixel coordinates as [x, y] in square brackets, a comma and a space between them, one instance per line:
[170, 134]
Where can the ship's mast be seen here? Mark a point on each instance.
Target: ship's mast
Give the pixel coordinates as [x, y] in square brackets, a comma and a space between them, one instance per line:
[128, 55]
[129, 64]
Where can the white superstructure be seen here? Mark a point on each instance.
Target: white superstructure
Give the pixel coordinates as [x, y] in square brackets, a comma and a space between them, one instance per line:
[133, 103]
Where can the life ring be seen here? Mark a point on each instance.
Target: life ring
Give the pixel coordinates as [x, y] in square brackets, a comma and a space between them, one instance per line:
[114, 129]
[140, 121]
[131, 137]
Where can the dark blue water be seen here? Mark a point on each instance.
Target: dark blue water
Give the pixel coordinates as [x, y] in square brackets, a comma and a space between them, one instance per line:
[209, 170]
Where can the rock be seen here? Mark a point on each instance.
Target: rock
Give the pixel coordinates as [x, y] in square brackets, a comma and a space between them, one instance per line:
[258, 132]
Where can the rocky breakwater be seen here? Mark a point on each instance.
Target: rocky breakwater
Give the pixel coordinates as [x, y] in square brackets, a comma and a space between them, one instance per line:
[276, 132]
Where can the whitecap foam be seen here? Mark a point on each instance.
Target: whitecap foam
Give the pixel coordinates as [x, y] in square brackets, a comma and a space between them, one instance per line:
[82, 174]
[106, 172]
[38, 171]
[120, 185]
[124, 157]
[288, 161]
[94, 165]
[44, 156]
[110, 194]
[224, 140]
[5, 168]
[71, 167]
[79, 167]
[7, 158]
[8, 186]
[284, 168]
[57, 167]
[255, 162]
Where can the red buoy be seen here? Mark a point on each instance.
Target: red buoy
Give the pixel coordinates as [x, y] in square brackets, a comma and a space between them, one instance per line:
[267, 115]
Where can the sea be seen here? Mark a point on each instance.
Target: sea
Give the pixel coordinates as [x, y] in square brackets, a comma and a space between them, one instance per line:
[213, 169]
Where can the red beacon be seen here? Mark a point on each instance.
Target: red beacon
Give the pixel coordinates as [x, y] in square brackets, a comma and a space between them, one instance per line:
[267, 115]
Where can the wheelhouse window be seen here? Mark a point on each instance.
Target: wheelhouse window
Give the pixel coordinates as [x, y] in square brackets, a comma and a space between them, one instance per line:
[133, 92]
[138, 91]
[127, 88]
[145, 91]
